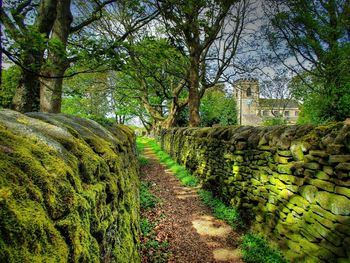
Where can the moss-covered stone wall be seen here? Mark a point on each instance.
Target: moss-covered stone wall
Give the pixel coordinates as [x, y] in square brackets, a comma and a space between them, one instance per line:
[292, 183]
[68, 190]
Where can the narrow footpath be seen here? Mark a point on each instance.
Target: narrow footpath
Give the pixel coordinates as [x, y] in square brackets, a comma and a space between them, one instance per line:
[194, 235]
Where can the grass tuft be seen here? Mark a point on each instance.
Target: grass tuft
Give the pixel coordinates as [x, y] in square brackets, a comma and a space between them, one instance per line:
[143, 161]
[221, 210]
[147, 199]
[256, 250]
[146, 227]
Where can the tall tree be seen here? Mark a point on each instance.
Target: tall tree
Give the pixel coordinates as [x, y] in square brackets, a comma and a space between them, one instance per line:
[317, 34]
[37, 34]
[154, 75]
[209, 32]
[28, 25]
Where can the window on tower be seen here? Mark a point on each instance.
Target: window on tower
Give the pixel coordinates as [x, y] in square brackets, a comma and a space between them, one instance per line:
[249, 92]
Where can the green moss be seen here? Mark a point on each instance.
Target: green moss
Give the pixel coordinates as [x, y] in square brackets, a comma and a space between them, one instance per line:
[77, 202]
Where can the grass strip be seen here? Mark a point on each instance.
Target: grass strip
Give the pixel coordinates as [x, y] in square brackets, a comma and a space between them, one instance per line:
[255, 249]
[180, 172]
[221, 211]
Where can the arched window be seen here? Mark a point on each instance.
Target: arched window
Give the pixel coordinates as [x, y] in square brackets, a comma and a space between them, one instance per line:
[249, 92]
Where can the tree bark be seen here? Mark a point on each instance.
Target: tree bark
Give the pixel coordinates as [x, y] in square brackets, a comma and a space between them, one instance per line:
[193, 95]
[51, 88]
[27, 95]
[26, 98]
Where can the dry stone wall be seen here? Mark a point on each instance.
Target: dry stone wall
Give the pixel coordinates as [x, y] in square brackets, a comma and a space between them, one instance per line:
[292, 183]
[68, 190]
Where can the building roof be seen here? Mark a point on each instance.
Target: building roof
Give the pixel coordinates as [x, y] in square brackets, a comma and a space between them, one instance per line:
[278, 103]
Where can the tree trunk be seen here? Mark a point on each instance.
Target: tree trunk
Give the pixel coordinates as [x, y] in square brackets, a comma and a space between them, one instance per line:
[51, 88]
[27, 95]
[193, 96]
[173, 112]
[26, 98]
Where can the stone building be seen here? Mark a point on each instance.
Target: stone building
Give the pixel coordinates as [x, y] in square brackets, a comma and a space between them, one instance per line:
[252, 109]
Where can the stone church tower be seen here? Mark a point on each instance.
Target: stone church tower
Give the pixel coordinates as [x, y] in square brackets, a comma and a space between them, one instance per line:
[246, 92]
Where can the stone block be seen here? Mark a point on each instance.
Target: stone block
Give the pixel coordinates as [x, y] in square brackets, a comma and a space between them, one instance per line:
[322, 175]
[337, 204]
[343, 166]
[285, 168]
[285, 194]
[310, 158]
[289, 179]
[338, 251]
[293, 245]
[328, 170]
[286, 210]
[345, 183]
[308, 217]
[264, 177]
[281, 159]
[285, 153]
[342, 191]
[323, 221]
[292, 188]
[324, 185]
[308, 192]
[318, 153]
[297, 151]
[339, 158]
[324, 213]
[299, 201]
[309, 173]
[271, 208]
[342, 228]
[255, 182]
[299, 210]
[293, 218]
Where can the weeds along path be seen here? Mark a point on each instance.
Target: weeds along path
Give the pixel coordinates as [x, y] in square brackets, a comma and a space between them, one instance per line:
[183, 222]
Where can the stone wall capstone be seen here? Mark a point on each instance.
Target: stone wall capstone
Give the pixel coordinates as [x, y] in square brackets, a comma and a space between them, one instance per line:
[292, 183]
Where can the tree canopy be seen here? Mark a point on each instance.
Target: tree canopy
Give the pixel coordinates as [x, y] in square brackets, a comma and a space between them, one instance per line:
[317, 35]
[162, 61]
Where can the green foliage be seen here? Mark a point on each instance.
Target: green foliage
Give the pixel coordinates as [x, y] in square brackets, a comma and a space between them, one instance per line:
[147, 199]
[149, 77]
[10, 80]
[86, 96]
[140, 145]
[143, 161]
[318, 107]
[256, 250]
[104, 121]
[218, 108]
[272, 121]
[318, 33]
[156, 251]
[221, 210]
[146, 226]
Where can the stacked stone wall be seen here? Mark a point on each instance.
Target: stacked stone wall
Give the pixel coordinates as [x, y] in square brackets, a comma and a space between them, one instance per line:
[292, 183]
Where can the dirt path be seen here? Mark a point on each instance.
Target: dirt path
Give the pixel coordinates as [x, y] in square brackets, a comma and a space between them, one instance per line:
[193, 233]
